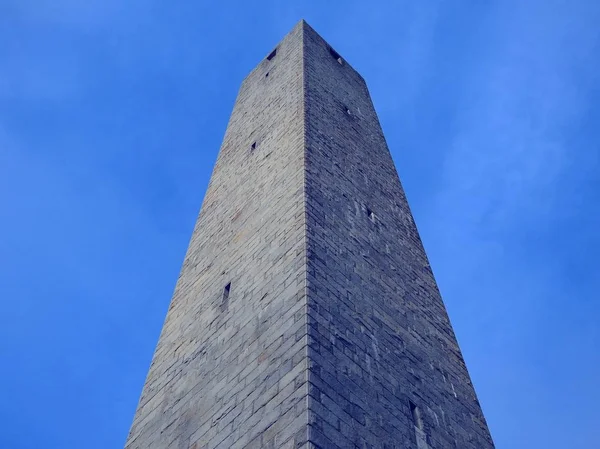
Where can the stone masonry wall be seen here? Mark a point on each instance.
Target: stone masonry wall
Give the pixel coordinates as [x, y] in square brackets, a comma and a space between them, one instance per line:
[306, 314]
[385, 367]
[230, 371]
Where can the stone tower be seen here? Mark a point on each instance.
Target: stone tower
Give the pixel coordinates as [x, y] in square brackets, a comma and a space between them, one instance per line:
[306, 314]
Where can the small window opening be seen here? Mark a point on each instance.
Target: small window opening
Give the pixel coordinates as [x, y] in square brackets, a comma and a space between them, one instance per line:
[267, 75]
[225, 300]
[416, 416]
[370, 214]
[253, 146]
[272, 54]
[336, 55]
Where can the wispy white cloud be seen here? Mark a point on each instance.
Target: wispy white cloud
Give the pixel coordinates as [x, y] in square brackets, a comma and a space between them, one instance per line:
[517, 111]
[507, 179]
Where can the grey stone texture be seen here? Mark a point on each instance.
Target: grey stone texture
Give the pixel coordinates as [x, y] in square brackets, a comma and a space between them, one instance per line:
[306, 314]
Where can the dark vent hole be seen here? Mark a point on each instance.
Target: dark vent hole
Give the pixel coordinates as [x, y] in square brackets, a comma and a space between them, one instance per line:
[225, 300]
[267, 75]
[272, 54]
[336, 55]
[370, 214]
[253, 147]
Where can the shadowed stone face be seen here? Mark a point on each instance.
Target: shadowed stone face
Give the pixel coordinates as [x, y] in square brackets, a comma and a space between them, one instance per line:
[306, 314]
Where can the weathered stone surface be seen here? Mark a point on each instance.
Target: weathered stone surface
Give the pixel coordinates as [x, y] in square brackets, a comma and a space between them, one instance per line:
[306, 314]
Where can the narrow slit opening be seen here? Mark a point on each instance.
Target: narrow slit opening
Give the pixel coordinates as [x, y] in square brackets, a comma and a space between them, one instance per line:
[225, 300]
[336, 55]
[370, 214]
[272, 54]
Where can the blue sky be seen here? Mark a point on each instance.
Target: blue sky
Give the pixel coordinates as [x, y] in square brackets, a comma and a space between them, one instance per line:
[111, 116]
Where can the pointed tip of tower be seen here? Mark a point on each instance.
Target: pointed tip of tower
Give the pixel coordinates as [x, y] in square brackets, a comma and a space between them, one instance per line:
[302, 23]
[305, 27]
